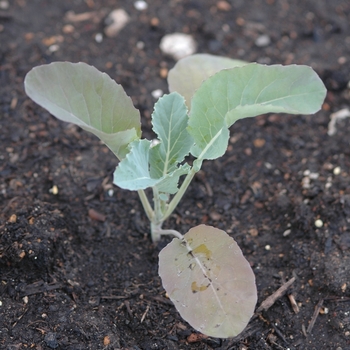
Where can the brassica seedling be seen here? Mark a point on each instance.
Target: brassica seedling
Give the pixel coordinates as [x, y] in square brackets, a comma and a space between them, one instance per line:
[204, 272]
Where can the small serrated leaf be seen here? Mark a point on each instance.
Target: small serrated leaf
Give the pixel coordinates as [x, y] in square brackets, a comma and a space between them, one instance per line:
[133, 172]
[169, 123]
[80, 94]
[169, 183]
[210, 282]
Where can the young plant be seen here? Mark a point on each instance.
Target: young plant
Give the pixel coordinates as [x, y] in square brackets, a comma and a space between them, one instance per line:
[204, 272]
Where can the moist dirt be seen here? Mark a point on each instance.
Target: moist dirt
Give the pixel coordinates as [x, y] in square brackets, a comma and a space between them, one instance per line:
[78, 269]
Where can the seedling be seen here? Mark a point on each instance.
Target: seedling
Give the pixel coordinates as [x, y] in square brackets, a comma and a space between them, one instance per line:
[204, 272]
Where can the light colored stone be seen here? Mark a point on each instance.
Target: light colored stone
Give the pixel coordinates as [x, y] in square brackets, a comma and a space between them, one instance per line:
[178, 45]
[263, 40]
[140, 5]
[115, 22]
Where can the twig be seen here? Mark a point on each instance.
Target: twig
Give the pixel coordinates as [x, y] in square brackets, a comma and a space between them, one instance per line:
[269, 301]
[294, 304]
[279, 333]
[314, 316]
[145, 313]
[127, 305]
[290, 296]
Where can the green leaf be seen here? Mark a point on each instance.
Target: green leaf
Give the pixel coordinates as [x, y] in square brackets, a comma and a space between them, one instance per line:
[248, 91]
[133, 172]
[169, 183]
[209, 281]
[80, 94]
[208, 128]
[169, 123]
[189, 73]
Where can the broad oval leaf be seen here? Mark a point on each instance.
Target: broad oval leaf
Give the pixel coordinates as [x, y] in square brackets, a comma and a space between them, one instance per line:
[248, 91]
[189, 73]
[210, 282]
[80, 94]
[255, 89]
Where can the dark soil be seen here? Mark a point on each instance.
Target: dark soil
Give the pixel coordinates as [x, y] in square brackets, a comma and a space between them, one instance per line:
[78, 269]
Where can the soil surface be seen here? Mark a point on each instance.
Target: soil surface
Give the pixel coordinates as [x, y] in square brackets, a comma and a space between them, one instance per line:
[78, 269]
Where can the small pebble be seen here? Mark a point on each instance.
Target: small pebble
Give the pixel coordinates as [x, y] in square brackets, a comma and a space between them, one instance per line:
[99, 37]
[140, 45]
[178, 45]
[157, 93]
[258, 143]
[215, 216]
[140, 5]
[253, 232]
[305, 182]
[314, 176]
[115, 22]
[54, 190]
[268, 247]
[13, 218]
[328, 185]
[53, 48]
[223, 6]
[287, 233]
[4, 5]
[318, 223]
[106, 340]
[262, 41]
[337, 170]
[342, 60]
[68, 29]
[51, 340]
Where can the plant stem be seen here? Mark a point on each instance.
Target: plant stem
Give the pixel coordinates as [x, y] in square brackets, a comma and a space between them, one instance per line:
[157, 231]
[146, 205]
[175, 201]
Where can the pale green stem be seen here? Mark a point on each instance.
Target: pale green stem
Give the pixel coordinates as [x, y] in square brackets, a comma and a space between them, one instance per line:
[146, 206]
[158, 214]
[175, 201]
[157, 231]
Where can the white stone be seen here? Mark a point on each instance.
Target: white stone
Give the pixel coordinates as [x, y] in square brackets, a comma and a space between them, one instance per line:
[157, 93]
[116, 21]
[318, 223]
[287, 232]
[4, 5]
[178, 45]
[263, 40]
[341, 114]
[99, 37]
[140, 5]
[337, 170]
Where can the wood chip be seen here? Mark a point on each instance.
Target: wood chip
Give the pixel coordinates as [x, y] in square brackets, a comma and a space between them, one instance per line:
[95, 215]
[106, 340]
[13, 218]
[258, 143]
[223, 6]
[196, 337]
